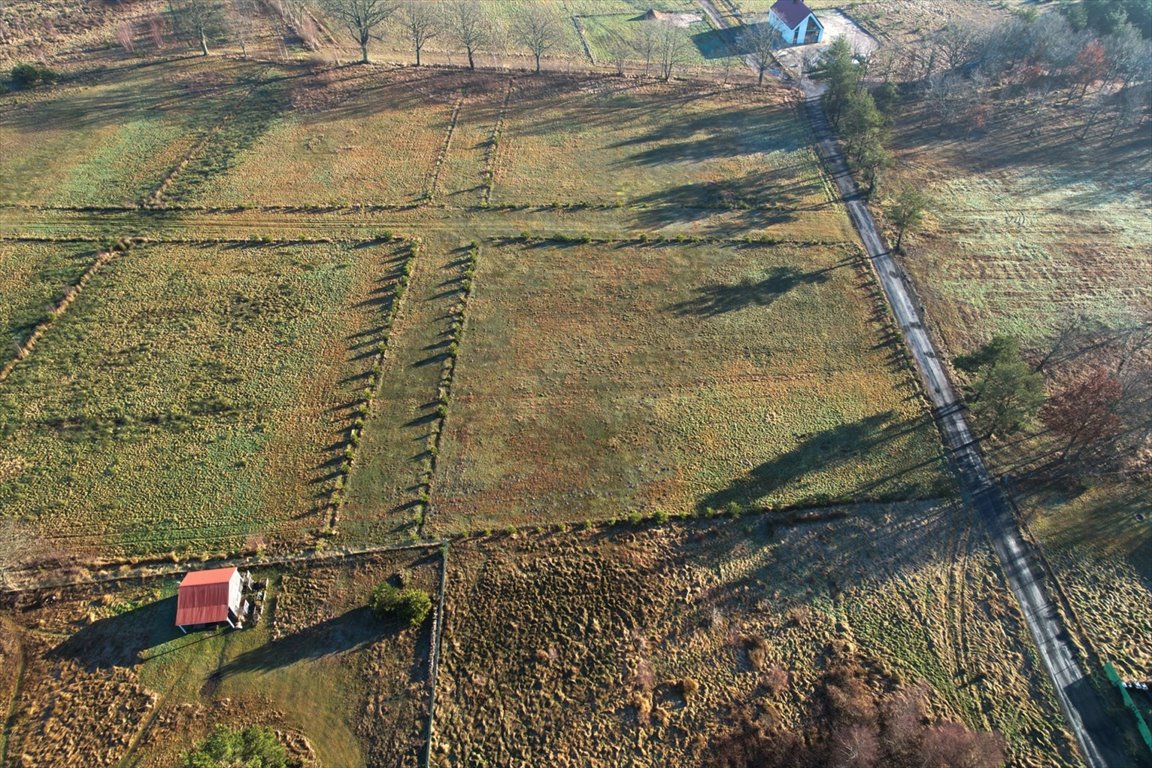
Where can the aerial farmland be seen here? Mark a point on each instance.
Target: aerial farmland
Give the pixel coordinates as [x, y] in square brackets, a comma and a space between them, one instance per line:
[574, 383]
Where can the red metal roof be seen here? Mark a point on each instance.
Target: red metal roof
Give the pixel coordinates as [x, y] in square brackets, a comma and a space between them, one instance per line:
[791, 12]
[203, 597]
[211, 576]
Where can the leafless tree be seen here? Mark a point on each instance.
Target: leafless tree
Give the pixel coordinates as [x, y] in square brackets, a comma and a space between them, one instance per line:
[421, 22]
[362, 18]
[465, 20]
[759, 42]
[646, 41]
[538, 30]
[243, 16]
[196, 21]
[674, 47]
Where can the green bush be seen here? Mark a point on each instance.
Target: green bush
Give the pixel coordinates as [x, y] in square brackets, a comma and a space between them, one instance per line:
[411, 606]
[253, 747]
[30, 75]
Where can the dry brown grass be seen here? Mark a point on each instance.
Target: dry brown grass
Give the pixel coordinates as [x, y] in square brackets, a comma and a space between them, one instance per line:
[747, 613]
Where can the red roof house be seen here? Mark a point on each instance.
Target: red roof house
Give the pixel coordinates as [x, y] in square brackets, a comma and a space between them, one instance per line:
[209, 597]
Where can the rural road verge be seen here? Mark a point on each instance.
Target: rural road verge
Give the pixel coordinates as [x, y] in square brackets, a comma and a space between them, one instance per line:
[1099, 739]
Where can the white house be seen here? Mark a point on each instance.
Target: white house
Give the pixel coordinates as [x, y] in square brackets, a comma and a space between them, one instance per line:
[796, 22]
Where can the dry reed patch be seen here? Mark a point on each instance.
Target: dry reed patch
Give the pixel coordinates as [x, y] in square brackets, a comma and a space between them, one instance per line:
[605, 648]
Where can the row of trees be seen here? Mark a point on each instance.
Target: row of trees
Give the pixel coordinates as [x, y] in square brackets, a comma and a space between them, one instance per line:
[469, 26]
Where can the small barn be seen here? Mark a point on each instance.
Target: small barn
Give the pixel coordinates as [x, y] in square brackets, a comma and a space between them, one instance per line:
[796, 22]
[208, 598]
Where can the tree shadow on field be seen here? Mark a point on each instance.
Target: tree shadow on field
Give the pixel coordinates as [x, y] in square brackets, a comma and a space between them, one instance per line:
[351, 631]
[719, 299]
[835, 447]
[117, 641]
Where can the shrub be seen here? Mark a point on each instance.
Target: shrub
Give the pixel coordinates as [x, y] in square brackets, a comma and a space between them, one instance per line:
[410, 605]
[252, 747]
[30, 75]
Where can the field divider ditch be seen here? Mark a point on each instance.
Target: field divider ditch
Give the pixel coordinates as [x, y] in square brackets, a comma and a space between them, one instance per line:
[492, 149]
[70, 295]
[447, 374]
[437, 641]
[429, 195]
[372, 388]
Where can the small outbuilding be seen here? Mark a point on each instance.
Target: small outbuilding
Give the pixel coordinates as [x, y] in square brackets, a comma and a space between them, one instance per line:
[796, 22]
[208, 598]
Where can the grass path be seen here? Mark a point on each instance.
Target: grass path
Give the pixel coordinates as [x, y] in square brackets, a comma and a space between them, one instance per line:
[384, 499]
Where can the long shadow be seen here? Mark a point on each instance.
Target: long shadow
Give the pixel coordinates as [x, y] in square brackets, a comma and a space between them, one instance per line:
[350, 631]
[118, 640]
[840, 445]
[719, 299]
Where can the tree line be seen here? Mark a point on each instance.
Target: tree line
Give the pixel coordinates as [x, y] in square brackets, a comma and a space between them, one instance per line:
[467, 26]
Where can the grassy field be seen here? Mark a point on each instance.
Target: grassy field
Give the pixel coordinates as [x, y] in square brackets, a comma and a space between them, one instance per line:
[1100, 544]
[34, 277]
[124, 687]
[640, 649]
[611, 142]
[1018, 248]
[650, 378]
[112, 140]
[191, 395]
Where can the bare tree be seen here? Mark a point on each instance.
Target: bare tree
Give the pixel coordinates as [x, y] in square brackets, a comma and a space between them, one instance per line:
[362, 18]
[759, 42]
[465, 20]
[646, 41]
[674, 48]
[421, 21]
[196, 21]
[538, 30]
[243, 17]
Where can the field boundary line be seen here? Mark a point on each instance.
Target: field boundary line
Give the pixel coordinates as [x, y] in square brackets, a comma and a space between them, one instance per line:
[494, 147]
[158, 569]
[70, 295]
[434, 182]
[434, 659]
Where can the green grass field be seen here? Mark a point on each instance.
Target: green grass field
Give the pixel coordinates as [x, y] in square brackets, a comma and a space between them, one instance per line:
[189, 397]
[597, 380]
[113, 140]
[611, 142]
[33, 279]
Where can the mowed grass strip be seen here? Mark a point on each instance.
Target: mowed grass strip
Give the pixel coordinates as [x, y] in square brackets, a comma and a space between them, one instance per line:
[112, 141]
[390, 479]
[359, 137]
[34, 277]
[599, 380]
[192, 396]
